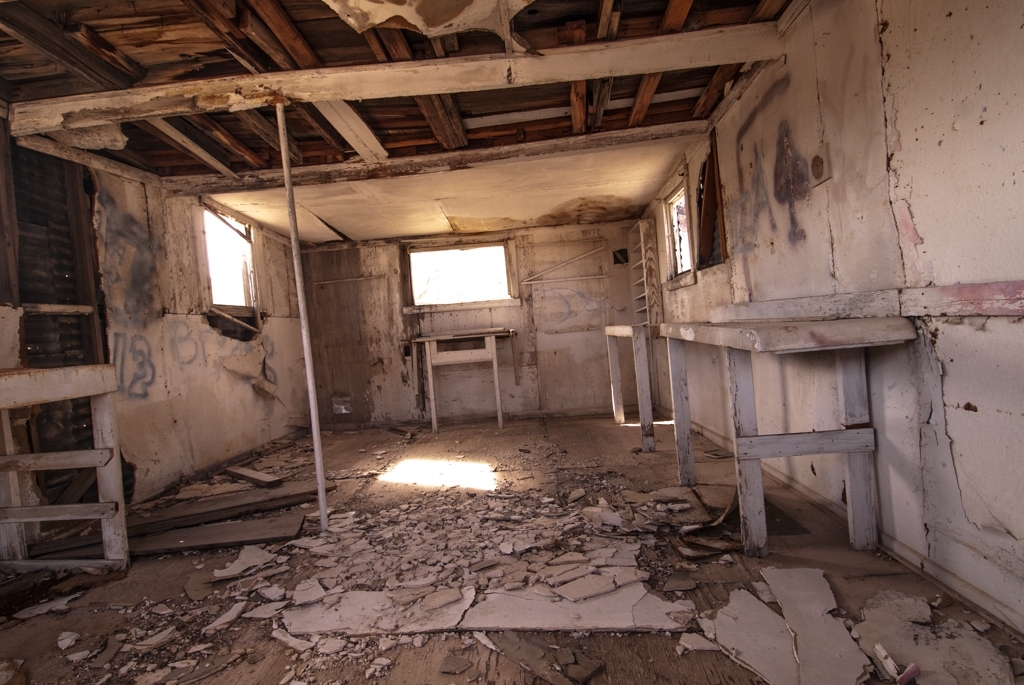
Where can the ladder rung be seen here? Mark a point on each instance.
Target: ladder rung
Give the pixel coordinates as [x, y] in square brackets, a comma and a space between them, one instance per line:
[26, 565]
[59, 512]
[54, 461]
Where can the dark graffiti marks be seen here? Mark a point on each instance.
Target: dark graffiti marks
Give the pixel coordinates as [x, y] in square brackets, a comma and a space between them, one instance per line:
[129, 266]
[776, 89]
[792, 179]
[133, 364]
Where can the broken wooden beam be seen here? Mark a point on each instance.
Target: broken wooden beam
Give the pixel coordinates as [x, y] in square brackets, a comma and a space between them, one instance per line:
[255, 477]
[607, 29]
[577, 31]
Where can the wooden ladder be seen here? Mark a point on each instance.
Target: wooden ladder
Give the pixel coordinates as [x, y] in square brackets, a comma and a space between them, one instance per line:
[28, 387]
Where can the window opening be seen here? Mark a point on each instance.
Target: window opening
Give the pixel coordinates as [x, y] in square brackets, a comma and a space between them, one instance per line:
[711, 243]
[229, 257]
[459, 275]
[683, 262]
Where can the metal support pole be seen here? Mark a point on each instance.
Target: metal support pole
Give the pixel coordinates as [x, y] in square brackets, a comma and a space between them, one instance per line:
[307, 346]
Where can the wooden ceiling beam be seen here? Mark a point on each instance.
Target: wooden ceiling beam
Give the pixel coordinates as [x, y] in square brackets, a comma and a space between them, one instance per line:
[268, 132]
[42, 35]
[278, 21]
[435, 163]
[577, 31]
[672, 22]
[259, 33]
[440, 111]
[180, 133]
[766, 10]
[241, 47]
[607, 29]
[681, 51]
[228, 141]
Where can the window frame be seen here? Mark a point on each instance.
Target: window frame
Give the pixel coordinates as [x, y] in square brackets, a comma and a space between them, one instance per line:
[202, 258]
[710, 173]
[688, 277]
[511, 275]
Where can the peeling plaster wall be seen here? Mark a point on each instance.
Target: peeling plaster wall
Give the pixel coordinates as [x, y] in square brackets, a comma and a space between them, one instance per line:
[954, 124]
[913, 82]
[179, 406]
[360, 332]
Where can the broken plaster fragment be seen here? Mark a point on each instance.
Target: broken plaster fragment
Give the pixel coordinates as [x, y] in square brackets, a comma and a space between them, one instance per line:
[307, 592]
[692, 642]
[285, 638]
[586, 587]
[576, 495]
[226, 619]
[442, 598]
[66, 639]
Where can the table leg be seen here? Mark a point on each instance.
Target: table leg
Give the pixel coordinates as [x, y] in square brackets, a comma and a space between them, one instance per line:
[643, 388]
[681, 411]
[749, 483]
[492, 343]
[430, 385]
[861, 485]
[616, 375]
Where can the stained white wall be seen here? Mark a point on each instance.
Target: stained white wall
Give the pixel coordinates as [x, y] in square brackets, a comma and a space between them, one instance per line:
[925, 144]
[180, 408]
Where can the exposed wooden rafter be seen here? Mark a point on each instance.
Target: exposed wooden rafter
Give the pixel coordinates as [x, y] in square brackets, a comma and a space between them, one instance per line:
[766, 11]
[182, 134]
[42, 35]
[229, 141]
[577, 31]
[672, 22]
[607, 29]
[268, 132]
[440, 111]
[241, 47]
[434, 163]
[680, 51]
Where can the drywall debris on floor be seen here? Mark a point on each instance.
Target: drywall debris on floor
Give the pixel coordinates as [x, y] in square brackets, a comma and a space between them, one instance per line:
[825, 650]
[946, 651]
[556, 665]
[758, 638]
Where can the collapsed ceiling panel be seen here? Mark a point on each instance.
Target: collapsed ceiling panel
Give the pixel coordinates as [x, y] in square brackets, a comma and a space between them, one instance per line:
[572, 188]
[433, 18]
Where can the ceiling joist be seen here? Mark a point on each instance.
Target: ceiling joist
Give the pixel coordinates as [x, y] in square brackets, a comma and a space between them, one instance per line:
[672, 22]
[679, 51]
[434, 163]
[180, 133]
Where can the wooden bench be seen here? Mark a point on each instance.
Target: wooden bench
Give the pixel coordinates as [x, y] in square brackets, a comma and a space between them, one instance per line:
[638, 334]
[28, 387]
[488, 353]
[856, 438]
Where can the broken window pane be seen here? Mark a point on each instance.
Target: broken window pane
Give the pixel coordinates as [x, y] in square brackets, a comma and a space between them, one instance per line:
[680, 234]
[229, 256]
[471, 274]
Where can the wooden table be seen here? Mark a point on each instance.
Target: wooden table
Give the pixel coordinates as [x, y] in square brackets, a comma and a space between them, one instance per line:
[856, 438]
[488, 353]
[638, 334]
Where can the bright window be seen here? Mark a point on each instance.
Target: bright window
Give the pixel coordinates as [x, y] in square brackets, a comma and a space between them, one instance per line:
[683, 262]
[229, 256]
[452, 276]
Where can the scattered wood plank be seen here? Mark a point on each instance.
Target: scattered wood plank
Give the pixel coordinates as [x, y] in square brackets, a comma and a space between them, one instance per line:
[256, 477]
[207, 510]
[214, 536]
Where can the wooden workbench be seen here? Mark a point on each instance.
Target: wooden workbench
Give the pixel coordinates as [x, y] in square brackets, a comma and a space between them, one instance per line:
[856, 437]
[489, 353]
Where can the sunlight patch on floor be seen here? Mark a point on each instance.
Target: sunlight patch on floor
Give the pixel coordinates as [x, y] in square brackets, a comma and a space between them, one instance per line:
[442, 473]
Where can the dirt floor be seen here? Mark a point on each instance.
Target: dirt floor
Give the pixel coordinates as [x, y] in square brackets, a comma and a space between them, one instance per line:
[541, 459]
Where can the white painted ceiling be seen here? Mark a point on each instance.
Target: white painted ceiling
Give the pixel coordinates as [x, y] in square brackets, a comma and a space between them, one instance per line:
[609, 184]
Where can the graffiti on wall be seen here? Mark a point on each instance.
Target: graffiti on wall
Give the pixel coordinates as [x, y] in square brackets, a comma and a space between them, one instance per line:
[129, 266]
[133, 364]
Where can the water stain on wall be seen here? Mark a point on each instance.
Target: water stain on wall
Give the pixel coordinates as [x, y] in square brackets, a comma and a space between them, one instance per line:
[129, 265]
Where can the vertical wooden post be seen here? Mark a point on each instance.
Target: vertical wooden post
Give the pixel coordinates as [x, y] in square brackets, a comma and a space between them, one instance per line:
[492, 344]
[300, 295]
[861, 486]
[12, 535]
[109, 483]
[681, 411]
[748, 471]
[616, 376]
[8, 223]
[430, 383]
[643, 387]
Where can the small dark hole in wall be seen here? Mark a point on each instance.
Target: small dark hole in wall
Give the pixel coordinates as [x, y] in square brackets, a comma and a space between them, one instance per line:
[230, 329]
[842, 496]
[620, 256]
[813, 471]
[407, 350]
[970, 406]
